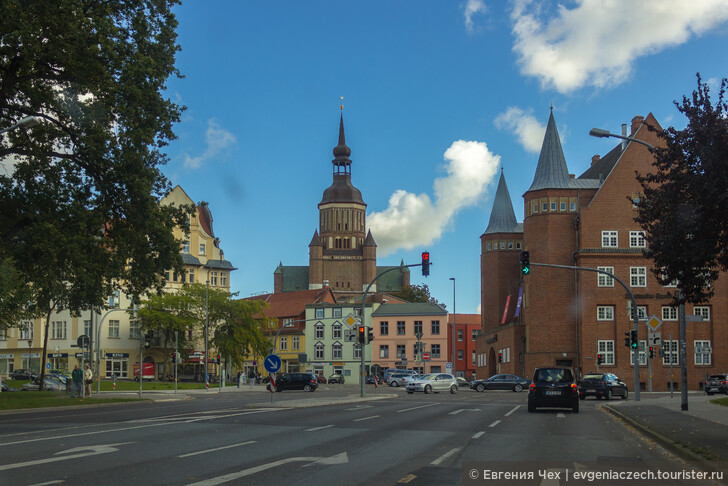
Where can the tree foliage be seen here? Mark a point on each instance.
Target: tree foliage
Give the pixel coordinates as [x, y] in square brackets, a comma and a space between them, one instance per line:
[685, 203]
[417, 293]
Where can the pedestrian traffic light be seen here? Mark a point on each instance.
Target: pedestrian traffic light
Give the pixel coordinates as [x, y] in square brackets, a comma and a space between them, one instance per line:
[525, 263]
[600, 359]
[500, 357]
[633, 339]
[370, 335]
[662, 353]
[652, 352]
[174, 358]
[425, 263]
[362, 335]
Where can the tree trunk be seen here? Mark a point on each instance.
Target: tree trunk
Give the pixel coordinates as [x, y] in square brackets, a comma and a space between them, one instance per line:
[45, 348]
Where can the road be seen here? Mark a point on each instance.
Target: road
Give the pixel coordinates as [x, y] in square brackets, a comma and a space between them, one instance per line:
[237, 438]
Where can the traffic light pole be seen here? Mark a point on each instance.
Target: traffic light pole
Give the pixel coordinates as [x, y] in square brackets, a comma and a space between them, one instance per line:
[635, 315]
[362, 379]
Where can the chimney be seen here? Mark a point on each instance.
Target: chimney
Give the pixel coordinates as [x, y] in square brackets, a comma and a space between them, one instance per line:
[326, 283]
[636, 122]
[624, 134]
[596, 158]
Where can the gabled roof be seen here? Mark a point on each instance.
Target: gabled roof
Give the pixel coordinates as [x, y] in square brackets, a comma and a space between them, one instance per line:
[416, 309]
[293, 304]
[502, 216]
[601, 168]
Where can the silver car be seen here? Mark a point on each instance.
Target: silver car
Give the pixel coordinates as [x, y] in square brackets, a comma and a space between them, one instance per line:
[434, 382]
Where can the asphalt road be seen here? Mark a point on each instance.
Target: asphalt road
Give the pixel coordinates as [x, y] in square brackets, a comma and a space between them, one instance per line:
[236, 438]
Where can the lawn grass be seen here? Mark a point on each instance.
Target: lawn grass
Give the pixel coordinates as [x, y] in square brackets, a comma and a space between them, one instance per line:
[107, 385]
[22, 400]
[720, 401]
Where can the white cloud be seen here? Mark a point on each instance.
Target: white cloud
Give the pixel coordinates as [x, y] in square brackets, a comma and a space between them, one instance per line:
[596, 42]
[526, 127]
[217, 139]
[473, 7]
[413, 220]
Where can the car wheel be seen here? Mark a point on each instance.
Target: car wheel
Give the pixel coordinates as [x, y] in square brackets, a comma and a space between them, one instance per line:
[531, 407]
[454, 389]
[480, 388]
[517, 388]
[428, 389]
[626, 394]
[395, 384]
[608, 396]
[307, 388]
[410, 392]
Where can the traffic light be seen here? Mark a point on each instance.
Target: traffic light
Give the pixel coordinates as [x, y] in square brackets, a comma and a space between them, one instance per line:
[370, 335]
[174, 357]
[148, 339]
[628, 339]
[218, 359]
[662, 353]
[500, 357]
[362, 335]
[633, 339]
[425, 263]
[525, 263]
[652, 352]
[600, 359]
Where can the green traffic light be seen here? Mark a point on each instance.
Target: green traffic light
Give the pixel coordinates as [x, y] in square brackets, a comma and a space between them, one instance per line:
[526, 270]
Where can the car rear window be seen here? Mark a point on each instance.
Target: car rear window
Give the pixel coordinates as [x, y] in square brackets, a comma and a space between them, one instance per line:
[593, 377]
[553, 375]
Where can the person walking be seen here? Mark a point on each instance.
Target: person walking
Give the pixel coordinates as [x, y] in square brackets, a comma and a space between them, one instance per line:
[87, 380]
[239, 375]
[251, 376]
[77, 378]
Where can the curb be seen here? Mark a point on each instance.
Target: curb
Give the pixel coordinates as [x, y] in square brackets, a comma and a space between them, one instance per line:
[321, 403]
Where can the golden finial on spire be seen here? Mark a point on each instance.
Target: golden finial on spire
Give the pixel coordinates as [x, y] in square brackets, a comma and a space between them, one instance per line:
[341, 106]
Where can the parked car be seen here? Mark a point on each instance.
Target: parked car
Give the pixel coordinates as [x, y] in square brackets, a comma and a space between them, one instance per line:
[296, 381]
[602, 385]
[433, 382]
[22, 375]
[7, 388]
[50, 383]
[60, 372]
[462, 382]
[501, 382]
[391, 371]
[336, 378]
[716, 384]
[400, 379]
[321, 379]
[553, 388]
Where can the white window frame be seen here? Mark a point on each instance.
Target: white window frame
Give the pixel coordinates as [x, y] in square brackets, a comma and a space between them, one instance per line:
[702, 310]
[435, 350]
[319, 330]
[186, 246]
[133, 329]
[202, 249]
[671, 352]
[283, 343]
[605, 280]
[384, 351]
[641, 312]
[337, 311]
[336, 331]
[702, 358]
[562, 206]
[637, 239]
[318, 351]
[669, 313]
[606, 349]
[114, 326]
[25, 330]
[610, 239]
[319, 313]
[638, 276]
[357, 351]
[534, 208]
[337, 350]
[605, 313]
[295, 343]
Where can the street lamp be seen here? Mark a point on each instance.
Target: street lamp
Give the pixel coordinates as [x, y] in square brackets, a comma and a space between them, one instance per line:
[30, 345]
[28, 121]
[453, 326]
[601, 133]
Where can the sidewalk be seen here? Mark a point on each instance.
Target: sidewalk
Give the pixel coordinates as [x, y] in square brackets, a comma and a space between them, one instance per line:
[697, 434]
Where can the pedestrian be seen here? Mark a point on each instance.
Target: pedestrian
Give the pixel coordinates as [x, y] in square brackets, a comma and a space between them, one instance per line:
[77, 378]
[87, 380]
[239, 374]
[251, 376]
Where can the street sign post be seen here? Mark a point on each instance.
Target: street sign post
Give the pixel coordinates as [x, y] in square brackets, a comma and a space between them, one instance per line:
[272, 363]
[653, 323]
[426, 356]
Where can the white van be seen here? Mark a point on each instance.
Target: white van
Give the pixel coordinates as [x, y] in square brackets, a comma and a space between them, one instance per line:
[390, 371]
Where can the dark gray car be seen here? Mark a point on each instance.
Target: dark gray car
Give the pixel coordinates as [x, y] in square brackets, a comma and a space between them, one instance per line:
[501, 382]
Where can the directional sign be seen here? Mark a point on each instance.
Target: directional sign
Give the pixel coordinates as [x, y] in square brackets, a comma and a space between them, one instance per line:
[272, 363]
[654, 339]
[426, 356]
[350, 320]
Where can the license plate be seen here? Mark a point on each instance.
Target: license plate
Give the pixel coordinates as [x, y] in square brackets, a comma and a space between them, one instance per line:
[712, 389]
[591, 390]
[552, 393]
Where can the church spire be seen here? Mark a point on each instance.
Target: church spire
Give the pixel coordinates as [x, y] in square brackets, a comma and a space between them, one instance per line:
[551, 171]
[502, 216]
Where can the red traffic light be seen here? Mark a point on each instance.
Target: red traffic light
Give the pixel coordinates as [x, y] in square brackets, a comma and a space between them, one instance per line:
[425, 256]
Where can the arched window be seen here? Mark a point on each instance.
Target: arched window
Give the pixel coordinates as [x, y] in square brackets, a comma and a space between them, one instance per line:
[319, 331]
[336, 331]
[338, 350]
[318, 350]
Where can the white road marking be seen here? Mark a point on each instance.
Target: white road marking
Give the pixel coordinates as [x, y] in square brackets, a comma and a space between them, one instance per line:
[359, 407]
[335, 459]
[415, 408]
[560, 415]
[444, 457]
[494, 423]
[513, 410]
[57, 481]
[367, 418]
[68, 454]
[478, 435]
[319, 428]
[455, 412]
[218, 448]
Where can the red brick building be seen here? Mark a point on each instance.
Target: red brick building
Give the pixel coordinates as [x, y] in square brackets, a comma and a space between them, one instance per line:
[467, 329]
[561, 317]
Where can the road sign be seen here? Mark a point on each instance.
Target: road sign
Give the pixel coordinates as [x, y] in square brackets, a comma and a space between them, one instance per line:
[351, 320]
[654, 339]
[426, 356]
[272, 363]
[653, 323]
[48, 365]
[82, 341]
[693, 318]
[448, 367]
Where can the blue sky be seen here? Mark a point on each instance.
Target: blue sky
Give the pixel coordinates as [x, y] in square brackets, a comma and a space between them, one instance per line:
[439, 96]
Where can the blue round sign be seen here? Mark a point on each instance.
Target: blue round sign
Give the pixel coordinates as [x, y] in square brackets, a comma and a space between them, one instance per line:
[272, 363]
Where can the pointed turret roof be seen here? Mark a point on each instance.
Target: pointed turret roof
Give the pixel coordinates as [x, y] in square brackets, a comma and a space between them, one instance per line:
[342, 151]
[370, 239]
[316, 240]
[502, 216]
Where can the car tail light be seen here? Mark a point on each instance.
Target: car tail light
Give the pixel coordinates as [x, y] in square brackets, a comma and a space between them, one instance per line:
[533, 385]
[725, 382]
[573, 386]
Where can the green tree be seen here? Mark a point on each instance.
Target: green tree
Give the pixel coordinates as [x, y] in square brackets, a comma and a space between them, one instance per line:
[80, 192]
[417, 293]
[685, 203]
